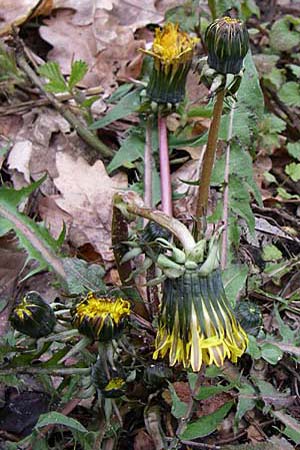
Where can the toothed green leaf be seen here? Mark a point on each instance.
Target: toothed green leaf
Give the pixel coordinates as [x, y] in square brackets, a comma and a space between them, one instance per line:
[57, 83]
[33, 237]
[78, 71]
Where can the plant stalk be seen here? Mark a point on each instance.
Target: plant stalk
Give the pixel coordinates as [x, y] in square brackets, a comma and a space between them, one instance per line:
[226, 192]
[165, 176]
[208, 162]
[148, 161]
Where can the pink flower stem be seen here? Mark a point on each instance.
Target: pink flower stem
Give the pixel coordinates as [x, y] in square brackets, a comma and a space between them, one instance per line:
[165, 176]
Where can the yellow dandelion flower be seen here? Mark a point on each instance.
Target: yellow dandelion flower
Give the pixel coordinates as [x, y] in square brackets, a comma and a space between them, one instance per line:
[196, 323]
[172, 51]
[101, 318]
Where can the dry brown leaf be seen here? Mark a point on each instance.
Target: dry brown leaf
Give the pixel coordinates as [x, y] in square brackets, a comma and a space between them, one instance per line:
[71, 42]
[18, 11]
[143, 441]
[254, 434]
[85, 9]
[210, 405]
[184, 207]
[15, 13]
[19, 158]
[86, 195]
[53, 216]
[137, 13]
[34, 149]
[103, 37]
[165, 5]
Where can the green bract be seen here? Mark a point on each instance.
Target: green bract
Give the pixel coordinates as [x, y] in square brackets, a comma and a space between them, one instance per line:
[227, 42]
[33, 316]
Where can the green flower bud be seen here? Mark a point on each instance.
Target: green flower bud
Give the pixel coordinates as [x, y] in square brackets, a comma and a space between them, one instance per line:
[227, 41]
[157, 374]
[249, 316]
[33, 316]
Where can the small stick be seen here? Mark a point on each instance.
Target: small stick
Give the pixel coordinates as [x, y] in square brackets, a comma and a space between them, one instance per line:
[165, 177]
[208, 162]
[226, 191]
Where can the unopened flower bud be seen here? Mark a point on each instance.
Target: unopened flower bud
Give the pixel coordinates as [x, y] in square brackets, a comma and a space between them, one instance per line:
[33, 316]
[227, 41]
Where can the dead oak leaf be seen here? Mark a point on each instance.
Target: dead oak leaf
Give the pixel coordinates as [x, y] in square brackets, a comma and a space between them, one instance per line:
[71, 42]
[137, 13]
[103, 42]
[85, 10]
[86, 195]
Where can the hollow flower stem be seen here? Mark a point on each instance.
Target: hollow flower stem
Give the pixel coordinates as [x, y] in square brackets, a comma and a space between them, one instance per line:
[208, 161]
[165, 177]
[226, 192]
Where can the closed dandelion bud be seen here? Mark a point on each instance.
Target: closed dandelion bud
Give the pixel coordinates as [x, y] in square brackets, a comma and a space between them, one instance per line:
[157, 374]
[33, 316]
[227, 41]
[249, 316]
[196, 323]
[172, 51]
[101, 318]
[154, 231]
[113, 386]
[116, 387]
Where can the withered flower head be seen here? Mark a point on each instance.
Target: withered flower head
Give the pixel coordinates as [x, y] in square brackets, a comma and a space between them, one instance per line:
[196, 323]
[101, 318]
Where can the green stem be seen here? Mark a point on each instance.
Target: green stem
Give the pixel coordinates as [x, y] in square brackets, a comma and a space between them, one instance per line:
[81, 345]
[208, 162]
[226, 192]
[148, 165]
[165, 176]
[213, 9]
